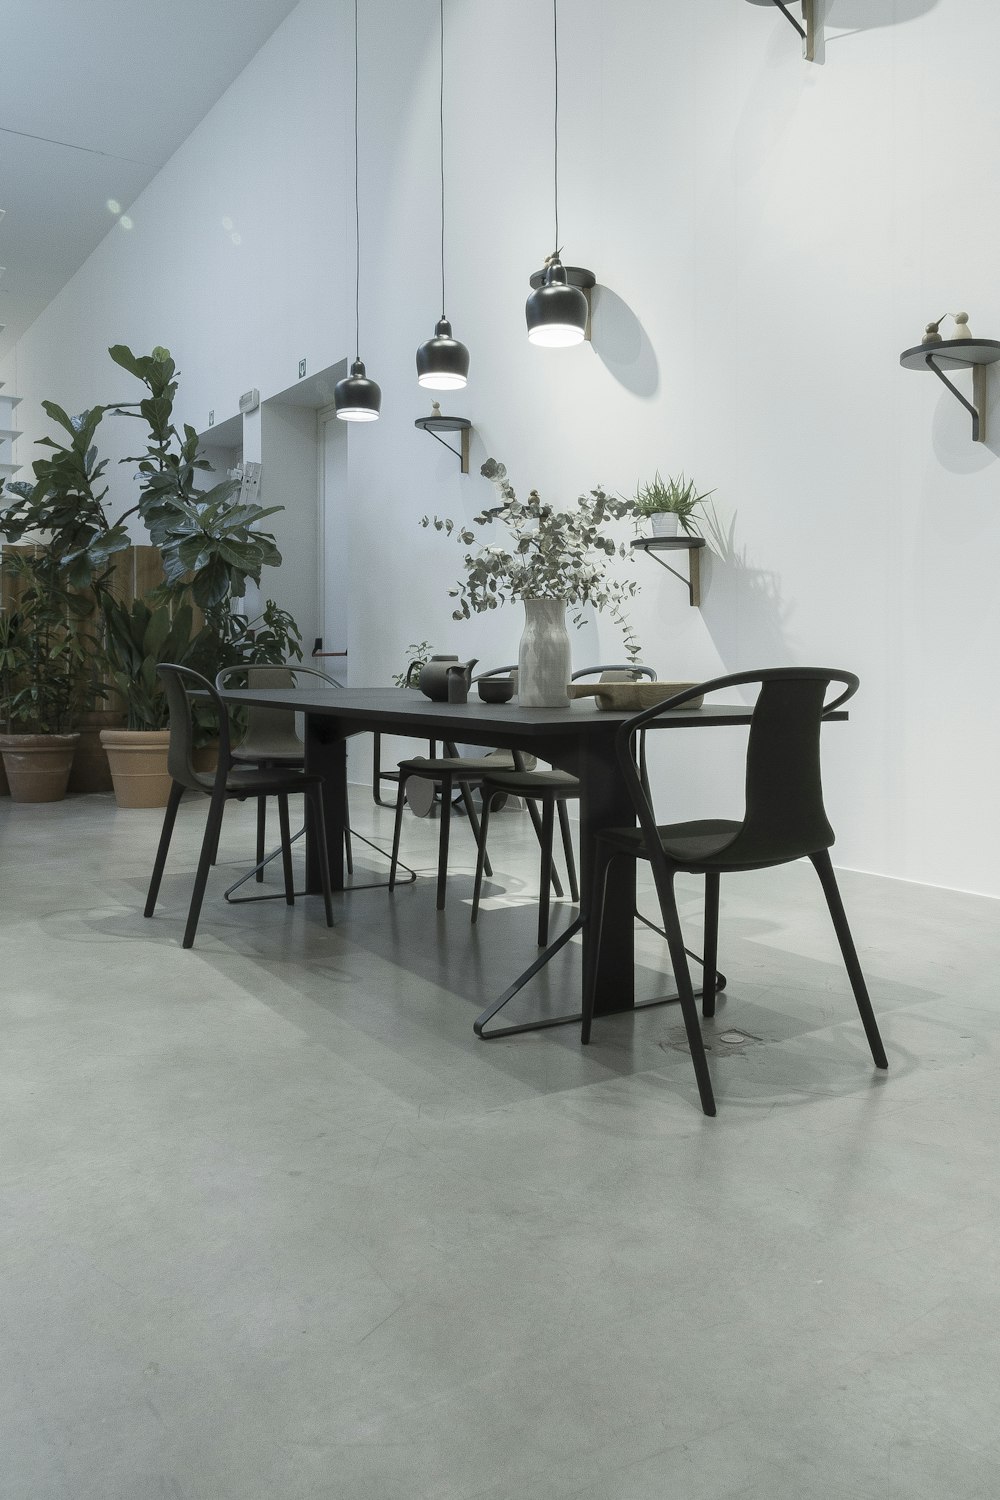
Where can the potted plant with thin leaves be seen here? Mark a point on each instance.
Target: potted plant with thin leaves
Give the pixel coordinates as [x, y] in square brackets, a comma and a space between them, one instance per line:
[550, 560]
[670, 504]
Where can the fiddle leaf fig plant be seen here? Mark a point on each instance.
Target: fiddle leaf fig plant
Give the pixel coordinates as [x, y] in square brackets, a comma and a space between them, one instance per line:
[543, 553]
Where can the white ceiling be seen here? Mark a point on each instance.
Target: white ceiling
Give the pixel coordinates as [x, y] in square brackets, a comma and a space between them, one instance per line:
[95, 95]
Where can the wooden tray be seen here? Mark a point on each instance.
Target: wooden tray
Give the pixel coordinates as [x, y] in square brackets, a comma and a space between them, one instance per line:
[625, 696]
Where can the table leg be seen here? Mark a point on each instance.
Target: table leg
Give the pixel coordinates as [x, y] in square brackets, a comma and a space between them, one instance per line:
[326, 753]
[605, 803]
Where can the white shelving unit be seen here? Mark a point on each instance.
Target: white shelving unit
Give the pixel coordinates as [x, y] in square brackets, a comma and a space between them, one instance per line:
[8, 432]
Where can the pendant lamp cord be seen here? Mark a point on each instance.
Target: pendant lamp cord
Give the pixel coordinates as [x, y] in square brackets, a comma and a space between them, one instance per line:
[441, 132]
[555, 123]
[357, 229]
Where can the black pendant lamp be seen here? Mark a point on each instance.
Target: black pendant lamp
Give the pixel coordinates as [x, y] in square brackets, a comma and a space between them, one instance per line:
[442, 363]
[356, 398]
[557, 310]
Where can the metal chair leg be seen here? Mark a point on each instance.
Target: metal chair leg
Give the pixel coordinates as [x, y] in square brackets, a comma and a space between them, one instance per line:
[824, 869]
[480, 860]
[536, 823]
[442, 875]
[169, 817]
[711, 950]
[548, 814]
[664, 881]
[261, 835]
[208, 843]
[286, 848]
[396, 828]
[567, 843]
[470, 808]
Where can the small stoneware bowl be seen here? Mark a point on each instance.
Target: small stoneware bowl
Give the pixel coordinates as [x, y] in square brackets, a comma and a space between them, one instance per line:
[495, 689]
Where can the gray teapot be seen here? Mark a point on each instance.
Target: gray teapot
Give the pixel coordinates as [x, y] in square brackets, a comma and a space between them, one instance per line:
[433, 679]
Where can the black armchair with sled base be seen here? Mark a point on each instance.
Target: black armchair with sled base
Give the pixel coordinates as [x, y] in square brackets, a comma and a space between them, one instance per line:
[784, 820]
[227, 782]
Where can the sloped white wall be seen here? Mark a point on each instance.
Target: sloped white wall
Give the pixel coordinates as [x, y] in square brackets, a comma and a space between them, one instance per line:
[768, 235]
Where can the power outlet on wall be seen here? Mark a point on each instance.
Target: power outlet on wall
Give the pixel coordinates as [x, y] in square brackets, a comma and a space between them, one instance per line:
[302, 368]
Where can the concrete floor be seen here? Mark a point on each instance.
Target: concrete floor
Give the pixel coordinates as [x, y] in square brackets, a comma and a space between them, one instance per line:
[275, 1224]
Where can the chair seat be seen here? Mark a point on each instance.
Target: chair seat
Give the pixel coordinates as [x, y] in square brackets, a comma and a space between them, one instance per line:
[683, 843]
[527, 783]
[265, 782]
[474, 765]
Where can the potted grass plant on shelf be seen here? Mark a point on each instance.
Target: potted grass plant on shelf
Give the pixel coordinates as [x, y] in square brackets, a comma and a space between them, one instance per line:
[549, 560]
[670, 505]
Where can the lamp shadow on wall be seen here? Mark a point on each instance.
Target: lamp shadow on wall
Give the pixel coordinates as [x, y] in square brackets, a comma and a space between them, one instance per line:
[619, 340]
[850, 16]
[746, 614]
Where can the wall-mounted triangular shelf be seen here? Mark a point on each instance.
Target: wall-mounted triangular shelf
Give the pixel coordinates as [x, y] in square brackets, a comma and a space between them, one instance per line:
[807, 30]
[438, 424]
[958, 354]
[692, 545]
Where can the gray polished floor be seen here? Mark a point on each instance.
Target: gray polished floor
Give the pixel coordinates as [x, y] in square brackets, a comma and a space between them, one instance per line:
[275, 1225]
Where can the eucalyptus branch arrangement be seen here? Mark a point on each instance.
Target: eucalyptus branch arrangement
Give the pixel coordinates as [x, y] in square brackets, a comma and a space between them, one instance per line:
[546, 554]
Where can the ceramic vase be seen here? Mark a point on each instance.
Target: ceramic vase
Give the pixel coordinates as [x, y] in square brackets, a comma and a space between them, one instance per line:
[543, 660]
[665, 523]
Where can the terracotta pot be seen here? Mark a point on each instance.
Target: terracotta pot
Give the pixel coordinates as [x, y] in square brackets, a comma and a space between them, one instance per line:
[138, 761]
[38, 765]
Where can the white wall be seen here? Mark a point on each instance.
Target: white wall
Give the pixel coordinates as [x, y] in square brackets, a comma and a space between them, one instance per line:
[767, 234]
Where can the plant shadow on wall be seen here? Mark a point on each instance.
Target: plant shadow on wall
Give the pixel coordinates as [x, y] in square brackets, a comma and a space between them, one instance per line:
[619, 340]
[747, 624]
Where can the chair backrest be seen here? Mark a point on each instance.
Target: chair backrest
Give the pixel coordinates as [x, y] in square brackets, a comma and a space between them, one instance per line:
[629, 672]
[784, 816]
[180, 683]
[270, 732]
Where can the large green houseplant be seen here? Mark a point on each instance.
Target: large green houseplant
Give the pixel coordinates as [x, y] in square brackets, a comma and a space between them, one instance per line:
[549, 560]
[47, 680]
[209, 543]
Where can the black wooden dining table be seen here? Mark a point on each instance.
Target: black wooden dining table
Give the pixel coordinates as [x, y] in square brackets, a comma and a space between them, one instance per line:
[578, 738]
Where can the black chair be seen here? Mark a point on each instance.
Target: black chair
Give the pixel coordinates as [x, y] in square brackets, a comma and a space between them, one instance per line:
[784, 820]
[270, 741]
[553, 789]
[181, 685]
[442, 775]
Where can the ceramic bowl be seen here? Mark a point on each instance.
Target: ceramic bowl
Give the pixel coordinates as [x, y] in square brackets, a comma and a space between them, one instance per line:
[496, 689]
[626, 697]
